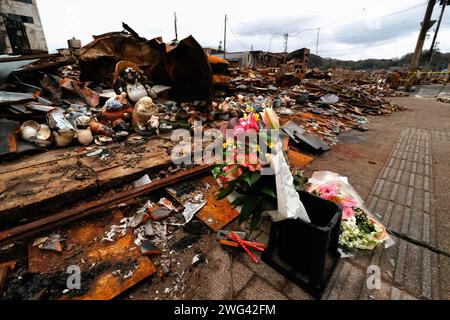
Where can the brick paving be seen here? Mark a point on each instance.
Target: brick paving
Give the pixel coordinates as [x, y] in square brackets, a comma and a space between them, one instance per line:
[402, 197]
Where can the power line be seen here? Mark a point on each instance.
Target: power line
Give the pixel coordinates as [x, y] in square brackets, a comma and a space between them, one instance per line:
[402, 11]
[359, 47]
[274, 27]
[234, 35]
[340, 20]
[363, 34]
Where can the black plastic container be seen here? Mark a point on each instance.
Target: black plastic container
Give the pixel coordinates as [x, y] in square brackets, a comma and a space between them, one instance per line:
[307, 253]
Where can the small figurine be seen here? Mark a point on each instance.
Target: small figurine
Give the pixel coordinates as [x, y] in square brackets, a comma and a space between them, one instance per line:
[132, 81]
[145, 115]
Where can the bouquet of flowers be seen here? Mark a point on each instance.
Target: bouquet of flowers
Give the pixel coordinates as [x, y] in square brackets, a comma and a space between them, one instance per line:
[358, 229]
[241, 173]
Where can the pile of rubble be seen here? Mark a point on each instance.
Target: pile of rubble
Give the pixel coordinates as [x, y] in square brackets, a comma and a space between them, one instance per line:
[116, 107]
[324, 107]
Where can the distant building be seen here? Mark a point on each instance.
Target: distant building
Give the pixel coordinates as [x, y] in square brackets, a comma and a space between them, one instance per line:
[252, 59]
[212, 51]
[338, 69]
[21, 28]
[378, 71]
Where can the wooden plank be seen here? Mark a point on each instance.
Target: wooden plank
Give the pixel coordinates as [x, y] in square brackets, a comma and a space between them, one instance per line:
[47, 183]
[3, 273]
[86, 209]
[95, 251]
[216, 214]
[69, 152]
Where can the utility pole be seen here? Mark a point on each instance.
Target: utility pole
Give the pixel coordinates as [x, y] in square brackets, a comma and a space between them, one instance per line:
[176, 27]
[425, 26]
[225, 39]
[430, 57]
[317, 42]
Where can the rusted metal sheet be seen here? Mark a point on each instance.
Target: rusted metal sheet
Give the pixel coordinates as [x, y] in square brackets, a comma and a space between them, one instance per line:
[183, 66]
[299, 160]
[8, 64]
[86, 245]
[98, 59]
[216, 214]
[189, 71]
[7, 136]
[87, 209]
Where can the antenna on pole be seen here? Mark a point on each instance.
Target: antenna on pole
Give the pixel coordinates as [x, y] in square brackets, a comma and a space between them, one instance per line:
[225, 39]
[176, 26]
[286, 39]
[317, 42]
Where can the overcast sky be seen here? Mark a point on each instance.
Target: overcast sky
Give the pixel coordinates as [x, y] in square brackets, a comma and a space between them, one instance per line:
[349, 29]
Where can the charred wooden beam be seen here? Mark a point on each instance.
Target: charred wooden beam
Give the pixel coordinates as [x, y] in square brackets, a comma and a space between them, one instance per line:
[88, 209]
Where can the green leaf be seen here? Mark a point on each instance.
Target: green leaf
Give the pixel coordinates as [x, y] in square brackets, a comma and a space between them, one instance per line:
[268, 191]
[225, 192]
[239, 201]
[255, 220]
[248, 180]
[247, 209]
[254, 177]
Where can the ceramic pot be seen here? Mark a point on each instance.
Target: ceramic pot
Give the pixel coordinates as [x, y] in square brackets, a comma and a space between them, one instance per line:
[83, 121]
[44, 136]
[29, 130]
[64, 137]
[85, 136]
[44, 132]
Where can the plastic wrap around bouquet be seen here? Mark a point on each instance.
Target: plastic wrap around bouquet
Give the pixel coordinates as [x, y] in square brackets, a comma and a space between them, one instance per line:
[359, 229]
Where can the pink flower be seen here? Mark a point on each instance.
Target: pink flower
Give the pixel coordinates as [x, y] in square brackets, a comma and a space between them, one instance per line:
[231, 173]
[347, 213]
[249, 161]
[348, 202]
[327, 191]
[253, 167]
[252, 123]
[246, 125]
[239, 129]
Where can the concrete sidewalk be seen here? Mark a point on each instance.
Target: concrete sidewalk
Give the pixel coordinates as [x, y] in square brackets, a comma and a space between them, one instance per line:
[401, 167]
